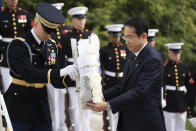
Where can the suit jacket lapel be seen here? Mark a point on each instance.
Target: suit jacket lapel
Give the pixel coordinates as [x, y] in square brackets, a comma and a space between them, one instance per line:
[135, 64]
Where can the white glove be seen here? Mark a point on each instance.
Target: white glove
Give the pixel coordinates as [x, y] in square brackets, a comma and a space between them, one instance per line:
[71, 70]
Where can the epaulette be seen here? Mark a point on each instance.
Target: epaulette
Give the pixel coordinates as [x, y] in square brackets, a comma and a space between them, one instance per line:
[20, 38]
[53, 40]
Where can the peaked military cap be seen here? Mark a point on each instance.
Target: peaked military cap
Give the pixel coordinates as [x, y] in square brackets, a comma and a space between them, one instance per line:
[114, 29]
[79, 12]
[151, 34]
[175, 47]
[49, 16]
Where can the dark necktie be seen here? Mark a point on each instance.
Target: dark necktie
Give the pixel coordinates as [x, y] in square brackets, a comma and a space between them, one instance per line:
[42, 45]
[131, 61]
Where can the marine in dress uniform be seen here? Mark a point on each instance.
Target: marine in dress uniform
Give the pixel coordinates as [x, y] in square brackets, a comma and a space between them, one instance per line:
[78, 32]
[15, 22]
[56, 96]
[176, 75]
[30, 59]
[113, 57]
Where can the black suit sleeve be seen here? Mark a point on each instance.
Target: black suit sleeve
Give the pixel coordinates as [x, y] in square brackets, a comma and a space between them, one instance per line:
[149, 74]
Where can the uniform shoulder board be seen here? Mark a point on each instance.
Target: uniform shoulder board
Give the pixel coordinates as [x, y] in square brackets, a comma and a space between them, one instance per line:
[20, 38]
[53, 40]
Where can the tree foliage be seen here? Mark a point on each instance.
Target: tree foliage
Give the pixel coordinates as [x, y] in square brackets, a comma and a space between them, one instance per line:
[175, 19]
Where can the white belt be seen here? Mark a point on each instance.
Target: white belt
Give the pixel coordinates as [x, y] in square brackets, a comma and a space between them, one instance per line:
[113, 74]
[173, 88]
[70, 59]
[6, 39]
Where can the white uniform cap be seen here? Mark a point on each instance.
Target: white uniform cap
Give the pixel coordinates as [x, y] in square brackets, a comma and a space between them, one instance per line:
[114, 27]
[59, 6]
[174, 45]
[152, 32]
[77, 11]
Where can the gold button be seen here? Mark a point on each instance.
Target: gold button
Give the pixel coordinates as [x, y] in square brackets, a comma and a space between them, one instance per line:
[15, 93]
[176, 77]
[57, 29]
[117, 56]
[14, 19]
[14, 23]
[5, 26]
[118, 68]
[80, 35]
[58, 33]
[109, 58]
[175, 70]
[23, 25]
[15, 32]
[35, 63]
[177, 81]
[115, 49]
[116, 53]
[175, 66]
[177, 85]
[117, 60]
[176, 74]
[14, 28]
[15, 37]
[118, 64]
[13, 15]
[59, 37]
[188, 108]
[168, 75]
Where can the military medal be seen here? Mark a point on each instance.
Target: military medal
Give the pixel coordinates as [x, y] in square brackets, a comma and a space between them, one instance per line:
[122, 53]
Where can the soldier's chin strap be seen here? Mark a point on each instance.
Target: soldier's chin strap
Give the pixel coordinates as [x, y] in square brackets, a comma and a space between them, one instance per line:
[29, 51]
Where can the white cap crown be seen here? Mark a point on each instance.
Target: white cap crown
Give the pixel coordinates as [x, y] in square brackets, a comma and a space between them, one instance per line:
[114, 27]
[77, 11]
[59, 6]
[152, 32]
[174, 45]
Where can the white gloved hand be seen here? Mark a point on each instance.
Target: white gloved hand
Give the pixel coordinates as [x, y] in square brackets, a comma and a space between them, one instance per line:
[71, 70]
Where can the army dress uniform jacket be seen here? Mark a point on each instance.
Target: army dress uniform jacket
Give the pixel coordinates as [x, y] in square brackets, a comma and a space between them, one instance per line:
[14, 24]
[66, 41]
[113, 59]
[27, 101]
[61, 31]
[176, 79]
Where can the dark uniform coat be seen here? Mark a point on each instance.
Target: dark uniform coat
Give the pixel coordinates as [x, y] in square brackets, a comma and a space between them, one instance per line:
[61, 31]
[29, 104]
[14, 23]
[66, 43]
[138, 98]
[113, 59]
[175, 74]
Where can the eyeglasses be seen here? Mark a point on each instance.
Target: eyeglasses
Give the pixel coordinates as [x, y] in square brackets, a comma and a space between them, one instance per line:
[128, 38]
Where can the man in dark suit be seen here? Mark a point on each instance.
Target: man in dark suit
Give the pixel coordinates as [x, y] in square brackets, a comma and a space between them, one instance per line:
[138, 98]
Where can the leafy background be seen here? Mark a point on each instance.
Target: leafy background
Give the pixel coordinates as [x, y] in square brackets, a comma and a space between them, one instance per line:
[175, 19]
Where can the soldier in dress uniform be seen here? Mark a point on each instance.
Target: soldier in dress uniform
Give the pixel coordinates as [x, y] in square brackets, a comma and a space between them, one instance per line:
[15, 22]
[176, 75]
[113, 58]
[56, 96]
[78, 32]
[33, 63]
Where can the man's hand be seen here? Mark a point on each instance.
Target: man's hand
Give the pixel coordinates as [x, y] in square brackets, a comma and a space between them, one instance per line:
[96, 107]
